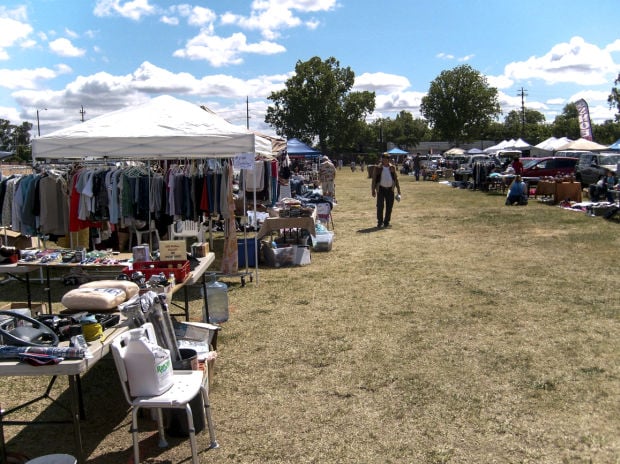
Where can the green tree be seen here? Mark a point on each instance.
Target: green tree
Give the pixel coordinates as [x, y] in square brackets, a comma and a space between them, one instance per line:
[460, 104]
[567, 123]
[614, 97]
[533, 131]
[16, 139]
[405, 131]
[317, 103]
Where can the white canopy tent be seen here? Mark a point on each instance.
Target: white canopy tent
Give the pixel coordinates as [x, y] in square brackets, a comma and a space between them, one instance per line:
[162, 128]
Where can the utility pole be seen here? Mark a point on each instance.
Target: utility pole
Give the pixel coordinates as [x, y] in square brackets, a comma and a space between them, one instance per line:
[82, 112]
[38, 125]
[522, 93]
[247, 113]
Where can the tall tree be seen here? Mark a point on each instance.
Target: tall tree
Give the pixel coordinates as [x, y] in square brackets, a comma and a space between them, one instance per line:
[16, 139]
[567, 123]
[317, 103]
[460, 104]
[614, 97]
[534, 130]
[405, 131]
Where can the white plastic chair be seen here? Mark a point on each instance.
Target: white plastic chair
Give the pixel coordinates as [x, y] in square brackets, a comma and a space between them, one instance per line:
[142, 234]
[186, 229]
[187, 384]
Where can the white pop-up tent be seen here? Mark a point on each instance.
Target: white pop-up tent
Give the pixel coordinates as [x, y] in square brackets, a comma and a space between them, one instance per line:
[164, 127]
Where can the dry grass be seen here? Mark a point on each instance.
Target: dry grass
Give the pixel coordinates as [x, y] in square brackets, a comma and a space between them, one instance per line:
[469, 332]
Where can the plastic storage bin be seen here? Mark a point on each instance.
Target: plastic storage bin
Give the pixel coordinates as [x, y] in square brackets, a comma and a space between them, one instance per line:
[251, 244]
[323, 242]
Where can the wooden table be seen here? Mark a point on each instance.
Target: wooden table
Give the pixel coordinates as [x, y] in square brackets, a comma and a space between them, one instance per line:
[560, 190]
[277, 223]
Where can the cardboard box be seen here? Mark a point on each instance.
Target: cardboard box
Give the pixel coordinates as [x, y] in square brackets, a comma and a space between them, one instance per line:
[16, 239]
[22, 308]
[200, 249]
[172, 250]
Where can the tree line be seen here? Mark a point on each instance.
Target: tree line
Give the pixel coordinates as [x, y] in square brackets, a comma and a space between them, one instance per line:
[317, 105]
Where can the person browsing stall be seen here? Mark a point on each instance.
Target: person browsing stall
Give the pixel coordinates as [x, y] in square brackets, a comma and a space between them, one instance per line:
[517, 192]
[384, 181]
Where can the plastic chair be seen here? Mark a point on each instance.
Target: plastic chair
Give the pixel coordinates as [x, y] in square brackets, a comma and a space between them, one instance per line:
[186, 385]
[186, 229]
[141, 234]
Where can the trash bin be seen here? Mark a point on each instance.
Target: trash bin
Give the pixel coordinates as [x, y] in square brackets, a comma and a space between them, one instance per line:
[176, 419]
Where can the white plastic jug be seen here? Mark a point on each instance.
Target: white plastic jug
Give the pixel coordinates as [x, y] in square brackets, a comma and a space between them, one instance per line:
[217, 300]
[149, 367]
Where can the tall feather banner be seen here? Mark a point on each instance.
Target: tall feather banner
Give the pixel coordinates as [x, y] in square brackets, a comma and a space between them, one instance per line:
[585, 127]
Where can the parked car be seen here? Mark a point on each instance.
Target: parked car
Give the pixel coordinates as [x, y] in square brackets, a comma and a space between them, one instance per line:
[594, 165]
[548, 167]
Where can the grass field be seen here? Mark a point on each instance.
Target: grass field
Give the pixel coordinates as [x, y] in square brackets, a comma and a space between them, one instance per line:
[468, 332]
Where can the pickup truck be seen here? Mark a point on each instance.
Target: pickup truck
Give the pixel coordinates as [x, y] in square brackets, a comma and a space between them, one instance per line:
[592, 166]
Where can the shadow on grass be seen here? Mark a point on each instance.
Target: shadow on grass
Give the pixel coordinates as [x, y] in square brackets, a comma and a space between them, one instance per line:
[369, 230]
[105, 408]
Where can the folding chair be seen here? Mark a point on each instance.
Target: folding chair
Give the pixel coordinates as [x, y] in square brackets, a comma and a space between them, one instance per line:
[187, 384]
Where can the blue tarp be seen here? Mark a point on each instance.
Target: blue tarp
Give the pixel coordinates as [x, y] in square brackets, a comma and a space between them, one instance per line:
[297, 149]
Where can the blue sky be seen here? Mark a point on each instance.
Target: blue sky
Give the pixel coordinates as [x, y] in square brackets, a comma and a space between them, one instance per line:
[58, 56]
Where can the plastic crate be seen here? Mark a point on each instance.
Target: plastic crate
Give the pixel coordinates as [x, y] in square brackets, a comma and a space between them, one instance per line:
[148, 268]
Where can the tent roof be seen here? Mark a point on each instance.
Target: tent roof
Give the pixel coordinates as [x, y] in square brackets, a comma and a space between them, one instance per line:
[163, 127]
[295, 147]
[552, 143]
[615, 145]
[582, 144]
[397, 151]
[454, 151]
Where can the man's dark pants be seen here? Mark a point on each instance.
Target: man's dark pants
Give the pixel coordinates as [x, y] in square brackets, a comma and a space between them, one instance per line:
[385, 197]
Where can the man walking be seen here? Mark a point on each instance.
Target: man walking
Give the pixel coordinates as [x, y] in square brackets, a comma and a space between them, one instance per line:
[384, 181]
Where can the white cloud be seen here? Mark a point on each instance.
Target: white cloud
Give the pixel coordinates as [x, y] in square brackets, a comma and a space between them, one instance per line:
[380, 82]
[14, 29]
[64, 47]
[171, 20]
[134, 9]
[499, 82]
[71, 33]
[202, 17]
[271, 16]
[10, 114]
[29, 78]
[576, 62]
[613, 47]
[221, 51]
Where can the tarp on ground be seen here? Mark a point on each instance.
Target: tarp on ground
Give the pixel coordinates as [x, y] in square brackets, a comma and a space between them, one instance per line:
[297, 149]
[163, 127]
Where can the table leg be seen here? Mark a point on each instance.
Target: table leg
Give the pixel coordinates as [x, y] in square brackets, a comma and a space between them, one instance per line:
[48, 288]
[29, 296]
[205, 297]
[74, 392]
[186, 302]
